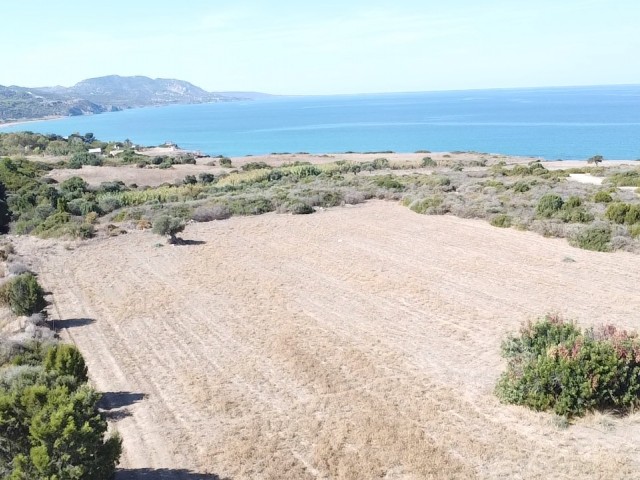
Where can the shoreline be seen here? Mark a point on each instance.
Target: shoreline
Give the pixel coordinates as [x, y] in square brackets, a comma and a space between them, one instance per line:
[13, 123]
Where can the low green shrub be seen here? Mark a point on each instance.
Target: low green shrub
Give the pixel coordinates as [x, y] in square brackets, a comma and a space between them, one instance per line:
[426, 205]
[428, 162]
[623, 213]
[23, 294]
[521, 187]
[554, 365]
[602, 196]
[389, 182]
[502, 221]
[300, 208]
[210, 213]
[549, 204]
[255, 166]
[595, 237]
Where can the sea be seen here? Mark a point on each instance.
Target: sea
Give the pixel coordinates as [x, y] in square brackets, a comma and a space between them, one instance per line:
[566, 123]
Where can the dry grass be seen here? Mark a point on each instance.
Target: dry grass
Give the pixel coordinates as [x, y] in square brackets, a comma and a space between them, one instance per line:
[359, 342]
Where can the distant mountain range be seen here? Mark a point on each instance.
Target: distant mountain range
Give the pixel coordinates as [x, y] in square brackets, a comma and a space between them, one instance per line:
[105, 94]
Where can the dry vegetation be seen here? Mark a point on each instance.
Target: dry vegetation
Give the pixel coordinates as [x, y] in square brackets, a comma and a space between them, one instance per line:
[359, 342]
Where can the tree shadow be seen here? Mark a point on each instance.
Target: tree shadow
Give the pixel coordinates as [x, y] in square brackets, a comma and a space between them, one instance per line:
[114, 404]
[181, 241]
[72, 323]
[163, 473]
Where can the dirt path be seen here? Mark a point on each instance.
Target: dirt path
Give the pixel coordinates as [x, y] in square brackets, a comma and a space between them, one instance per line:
[357, 342]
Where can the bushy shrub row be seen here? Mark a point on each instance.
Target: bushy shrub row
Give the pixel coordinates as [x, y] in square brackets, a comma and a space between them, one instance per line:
[554, 365]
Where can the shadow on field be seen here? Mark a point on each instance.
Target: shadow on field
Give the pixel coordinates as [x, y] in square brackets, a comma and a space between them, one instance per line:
[163, 473]
[113, 404]
[73, 322]
[181, 241]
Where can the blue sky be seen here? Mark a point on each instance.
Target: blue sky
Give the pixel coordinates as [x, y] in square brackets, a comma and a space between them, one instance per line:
[325, 47]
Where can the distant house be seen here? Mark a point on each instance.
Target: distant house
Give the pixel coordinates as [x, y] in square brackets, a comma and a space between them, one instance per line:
[115, 152]
[95, 150]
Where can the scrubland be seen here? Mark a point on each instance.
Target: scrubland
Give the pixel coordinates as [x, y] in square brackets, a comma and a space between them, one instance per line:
[331, 316]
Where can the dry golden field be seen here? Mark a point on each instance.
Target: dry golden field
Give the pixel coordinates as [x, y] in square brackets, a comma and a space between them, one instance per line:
[359, 342]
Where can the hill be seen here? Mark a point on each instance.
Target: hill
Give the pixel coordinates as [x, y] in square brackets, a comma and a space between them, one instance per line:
[101, 94]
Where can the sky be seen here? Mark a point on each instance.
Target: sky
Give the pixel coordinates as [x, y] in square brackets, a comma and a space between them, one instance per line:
[328, 47]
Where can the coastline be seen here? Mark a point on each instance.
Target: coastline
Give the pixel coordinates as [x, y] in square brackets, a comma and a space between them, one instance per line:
[13, 123]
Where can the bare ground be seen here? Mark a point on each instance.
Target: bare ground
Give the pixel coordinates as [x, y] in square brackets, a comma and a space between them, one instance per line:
[358, 342]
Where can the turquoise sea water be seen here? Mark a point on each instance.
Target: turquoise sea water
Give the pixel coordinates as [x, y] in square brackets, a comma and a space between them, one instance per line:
[553, 123]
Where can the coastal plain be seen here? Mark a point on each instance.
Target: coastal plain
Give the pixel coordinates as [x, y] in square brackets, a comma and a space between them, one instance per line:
[359, 342]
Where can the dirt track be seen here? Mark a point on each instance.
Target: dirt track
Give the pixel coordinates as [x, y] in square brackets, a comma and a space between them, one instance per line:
[357, 342]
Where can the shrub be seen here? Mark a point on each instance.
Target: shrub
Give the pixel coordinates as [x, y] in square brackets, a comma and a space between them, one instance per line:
[616, 212]
[595, 237]
[300, 208]
[65, 359]
[623, 213]
[168, 226]
[633, 215]
[602, 196]
[389, 182]
[108, 204]
[225, 162]
[81, 206]
[572, 202]
[190, 180]
[24, 295]
[205, 177]
[428, 162]
[521, 187]
[255, 166]
[554, 365]
[426, 205]
[84, 158]
[549, 204]
[502, 220]
[209, 213]
[596, 159]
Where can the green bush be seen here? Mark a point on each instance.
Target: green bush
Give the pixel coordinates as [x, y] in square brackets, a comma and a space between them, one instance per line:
[389, 182]
[602, 196]
[82, 206]
[549, 204]
[572, 202]
[255, 166]
[502, 221]
[595, 237]
[616, 212]
[623, 213]
[426, 205]
[554, 365]
[521, 187]
[24, 294]
[428, 162]
[300, 208]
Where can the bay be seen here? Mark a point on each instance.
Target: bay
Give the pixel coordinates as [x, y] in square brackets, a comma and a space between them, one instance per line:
[551, 123]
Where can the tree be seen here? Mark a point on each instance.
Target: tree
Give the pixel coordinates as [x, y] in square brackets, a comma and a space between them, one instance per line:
[171, 226]
[596, 159]
[5, 217]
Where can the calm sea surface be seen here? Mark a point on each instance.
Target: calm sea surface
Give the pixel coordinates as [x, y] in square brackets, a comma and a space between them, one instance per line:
[553, 123]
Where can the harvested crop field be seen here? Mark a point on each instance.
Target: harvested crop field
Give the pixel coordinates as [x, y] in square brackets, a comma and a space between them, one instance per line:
[357, 342]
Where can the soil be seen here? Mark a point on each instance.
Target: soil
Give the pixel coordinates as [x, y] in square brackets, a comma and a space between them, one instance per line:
[357, 342]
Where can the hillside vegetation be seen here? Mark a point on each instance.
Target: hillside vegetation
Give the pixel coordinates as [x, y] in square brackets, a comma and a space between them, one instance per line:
[523, 196]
